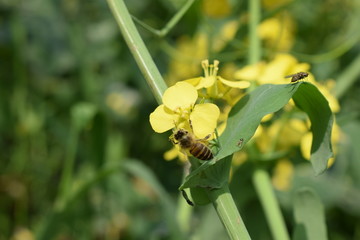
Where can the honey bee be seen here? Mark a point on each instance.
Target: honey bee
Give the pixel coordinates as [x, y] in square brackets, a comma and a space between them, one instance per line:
[196, 147]
[297, 76]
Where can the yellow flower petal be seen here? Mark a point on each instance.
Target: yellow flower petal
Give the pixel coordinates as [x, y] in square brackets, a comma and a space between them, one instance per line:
[204, 119]
[162, 119]
[195, 82]
[207, 82]
[235, 84]
[181, 95]
[202, 82]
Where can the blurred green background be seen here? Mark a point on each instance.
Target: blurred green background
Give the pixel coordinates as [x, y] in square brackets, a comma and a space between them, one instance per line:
[78, 157]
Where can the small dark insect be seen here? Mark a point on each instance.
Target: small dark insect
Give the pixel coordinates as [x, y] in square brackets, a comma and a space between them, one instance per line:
[240, 142]
[297, 76]
[196, 147]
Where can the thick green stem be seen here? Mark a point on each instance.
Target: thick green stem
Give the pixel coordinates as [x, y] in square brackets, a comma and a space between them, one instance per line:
[271, 207]
[228, 213]
[138, 48]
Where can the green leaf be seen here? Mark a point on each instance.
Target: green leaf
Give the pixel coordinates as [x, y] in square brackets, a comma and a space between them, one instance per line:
[199, 196]
[246, 115]
[309, 216]
[309, 99]
[211, 174]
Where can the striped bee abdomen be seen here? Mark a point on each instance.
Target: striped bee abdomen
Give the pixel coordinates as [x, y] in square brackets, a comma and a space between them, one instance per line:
[201, 151]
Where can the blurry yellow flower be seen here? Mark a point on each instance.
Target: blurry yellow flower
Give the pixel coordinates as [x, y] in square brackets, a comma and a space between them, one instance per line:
[282, 176]
[273, 72]
[307, 140]
[186, 57]
[326, 89]
[22, 234]
[267, 117]
[284, 134]
[216, 8]
[179, 108]
[273, 4]
[239, 158]
[278, 32]
[225, 34]
[123, 102]
[173, 153]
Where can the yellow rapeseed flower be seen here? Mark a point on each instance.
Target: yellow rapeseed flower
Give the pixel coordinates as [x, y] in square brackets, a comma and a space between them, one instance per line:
[283, 174]
[179, 108]
[216, 8]
[185, 57]
[307, 140]
[216, 86]
[273, 4]
[278, 32]
[274, 71]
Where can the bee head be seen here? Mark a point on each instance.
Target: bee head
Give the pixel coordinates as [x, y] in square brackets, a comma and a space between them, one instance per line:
[180, 134]
[304, 74]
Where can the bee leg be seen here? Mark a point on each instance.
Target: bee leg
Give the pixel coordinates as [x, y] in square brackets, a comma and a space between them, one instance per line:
[191, 126]
[204, 139]
[216, 142]
[171, 138]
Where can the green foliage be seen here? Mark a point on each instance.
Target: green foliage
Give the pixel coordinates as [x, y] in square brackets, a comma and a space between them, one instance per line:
[80, 161]
[309, 99]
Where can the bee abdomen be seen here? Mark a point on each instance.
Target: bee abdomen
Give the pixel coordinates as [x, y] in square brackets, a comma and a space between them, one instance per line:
[201, 151]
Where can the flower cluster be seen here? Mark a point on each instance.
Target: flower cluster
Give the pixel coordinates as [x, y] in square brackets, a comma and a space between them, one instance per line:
[181, 108]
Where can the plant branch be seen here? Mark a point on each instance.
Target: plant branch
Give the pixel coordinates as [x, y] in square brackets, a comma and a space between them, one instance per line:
[138, 48]
[228, 213]
[173, 21]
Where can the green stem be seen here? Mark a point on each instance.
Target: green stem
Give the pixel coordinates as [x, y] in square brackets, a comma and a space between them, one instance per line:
[173, 21]
[228, 213]
[254, 48]
[138, 48]
[271, 207]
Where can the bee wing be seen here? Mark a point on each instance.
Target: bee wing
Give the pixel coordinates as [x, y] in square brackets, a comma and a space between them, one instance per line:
[290, 76]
